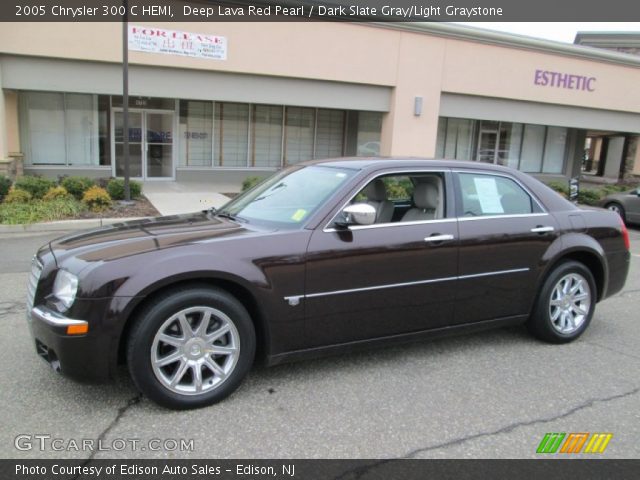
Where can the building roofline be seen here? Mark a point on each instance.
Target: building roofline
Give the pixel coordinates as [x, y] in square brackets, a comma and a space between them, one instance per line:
[463, 32]
[608, 39]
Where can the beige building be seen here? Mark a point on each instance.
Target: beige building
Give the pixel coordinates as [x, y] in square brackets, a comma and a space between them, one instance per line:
[231, 100]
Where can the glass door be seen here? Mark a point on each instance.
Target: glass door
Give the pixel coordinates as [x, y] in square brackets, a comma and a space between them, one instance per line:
[135, 144]
[151, 153]
[159, 144]
[487, 145]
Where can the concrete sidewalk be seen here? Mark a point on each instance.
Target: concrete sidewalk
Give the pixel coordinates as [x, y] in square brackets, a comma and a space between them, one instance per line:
[171, 198]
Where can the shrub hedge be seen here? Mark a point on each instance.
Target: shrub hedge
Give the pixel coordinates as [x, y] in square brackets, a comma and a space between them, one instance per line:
[115, 188]
[36, 186]
[76, 186]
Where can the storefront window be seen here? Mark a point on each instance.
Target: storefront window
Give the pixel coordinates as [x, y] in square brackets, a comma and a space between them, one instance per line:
[369, 130]
[267, 136]
[516, 145]
[299, 133]
[510, 141]
[554, 150]
[329, 133]
[231, 134]
[59, 128]
[195, 132]
[532, 148]
[459, 139]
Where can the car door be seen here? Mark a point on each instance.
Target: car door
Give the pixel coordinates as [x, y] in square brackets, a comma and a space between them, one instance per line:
[504, 233]
[383, 279]
[632, 206]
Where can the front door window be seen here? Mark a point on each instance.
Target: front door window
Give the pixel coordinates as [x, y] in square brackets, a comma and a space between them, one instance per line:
[135, 144]
[159, 147]
[151, 153]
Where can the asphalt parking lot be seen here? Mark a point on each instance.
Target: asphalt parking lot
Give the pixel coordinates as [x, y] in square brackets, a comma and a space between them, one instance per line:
[488, 395]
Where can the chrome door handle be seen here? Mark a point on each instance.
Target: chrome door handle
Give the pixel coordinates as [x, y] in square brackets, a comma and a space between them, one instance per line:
[542, 229]
[438, 238]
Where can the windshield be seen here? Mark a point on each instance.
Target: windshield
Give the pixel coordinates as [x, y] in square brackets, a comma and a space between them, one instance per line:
[289, 197]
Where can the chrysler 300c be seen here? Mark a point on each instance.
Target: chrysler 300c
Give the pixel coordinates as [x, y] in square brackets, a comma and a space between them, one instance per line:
[321, 257]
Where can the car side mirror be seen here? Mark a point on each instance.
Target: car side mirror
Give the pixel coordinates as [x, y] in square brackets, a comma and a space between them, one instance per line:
[357, 214]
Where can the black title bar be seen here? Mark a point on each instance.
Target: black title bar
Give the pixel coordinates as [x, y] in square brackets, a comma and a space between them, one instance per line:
[307, 10]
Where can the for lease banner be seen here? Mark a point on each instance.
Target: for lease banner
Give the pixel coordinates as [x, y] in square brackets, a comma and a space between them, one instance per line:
[173, 42]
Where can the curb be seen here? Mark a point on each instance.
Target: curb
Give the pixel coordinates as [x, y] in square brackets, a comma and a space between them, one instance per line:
[64, 225]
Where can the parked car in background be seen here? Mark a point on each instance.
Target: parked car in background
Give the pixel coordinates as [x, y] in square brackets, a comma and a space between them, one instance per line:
[625, 204]
[321, 258]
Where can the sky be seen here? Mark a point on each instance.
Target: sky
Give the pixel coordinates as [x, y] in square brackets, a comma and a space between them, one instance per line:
[558, 31]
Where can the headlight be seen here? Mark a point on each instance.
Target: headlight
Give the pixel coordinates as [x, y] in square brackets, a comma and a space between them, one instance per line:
[65, 287]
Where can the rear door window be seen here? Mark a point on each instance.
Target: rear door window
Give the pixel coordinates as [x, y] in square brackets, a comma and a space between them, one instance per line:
[490, 195]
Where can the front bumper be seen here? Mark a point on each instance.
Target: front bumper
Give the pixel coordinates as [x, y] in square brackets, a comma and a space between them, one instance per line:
[82, 357]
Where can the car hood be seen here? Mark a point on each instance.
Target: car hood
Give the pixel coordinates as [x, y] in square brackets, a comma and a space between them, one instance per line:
[139, 236]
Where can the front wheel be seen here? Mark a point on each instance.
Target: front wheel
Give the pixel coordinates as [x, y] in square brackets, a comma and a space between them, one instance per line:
[192, 348]
[565, 304]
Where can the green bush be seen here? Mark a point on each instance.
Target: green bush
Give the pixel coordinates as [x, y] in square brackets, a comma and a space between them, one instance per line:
[76, 186]
[40, 211]
[115, 187]
[36, 186]
[250, 182]
[56, 192]
[97, 199]
[560, 187]
[589, 196]
[16, 195]
[5, 185]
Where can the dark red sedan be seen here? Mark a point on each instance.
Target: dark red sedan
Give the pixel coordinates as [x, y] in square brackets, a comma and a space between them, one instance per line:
[321, 257]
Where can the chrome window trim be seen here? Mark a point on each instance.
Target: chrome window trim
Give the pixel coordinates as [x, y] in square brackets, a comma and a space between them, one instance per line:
[544, 211]
[440, 220]
[295, 299]
[507, 215]
[390, 224]
[328, 229]
[510, 177]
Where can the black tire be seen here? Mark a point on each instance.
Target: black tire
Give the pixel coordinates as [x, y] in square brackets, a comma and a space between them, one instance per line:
[619, 209]
[155, 315]
[541, 324]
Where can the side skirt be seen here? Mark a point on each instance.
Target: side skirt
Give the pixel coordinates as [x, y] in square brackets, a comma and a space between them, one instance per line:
[360, 345]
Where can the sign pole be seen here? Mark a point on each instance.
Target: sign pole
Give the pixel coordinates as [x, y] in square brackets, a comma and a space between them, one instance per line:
[125, 101]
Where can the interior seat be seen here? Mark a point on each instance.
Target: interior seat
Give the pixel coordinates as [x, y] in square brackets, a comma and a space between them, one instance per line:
[426, 201]
[376, 194]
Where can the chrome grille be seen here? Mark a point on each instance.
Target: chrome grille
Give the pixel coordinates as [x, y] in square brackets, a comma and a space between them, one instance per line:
[34, 277]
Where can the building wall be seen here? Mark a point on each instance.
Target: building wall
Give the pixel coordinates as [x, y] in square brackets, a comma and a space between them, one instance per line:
[411, 64]
[500, 72]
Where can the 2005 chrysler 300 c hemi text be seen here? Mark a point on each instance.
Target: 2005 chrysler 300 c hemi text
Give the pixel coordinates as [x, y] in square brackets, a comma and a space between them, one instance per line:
[321, 257]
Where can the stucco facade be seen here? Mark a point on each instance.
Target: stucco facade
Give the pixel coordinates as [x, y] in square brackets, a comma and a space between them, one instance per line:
[522, 102]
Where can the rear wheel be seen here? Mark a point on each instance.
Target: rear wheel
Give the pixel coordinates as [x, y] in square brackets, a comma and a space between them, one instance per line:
[616, 207]
[565, 305]
[192, 348]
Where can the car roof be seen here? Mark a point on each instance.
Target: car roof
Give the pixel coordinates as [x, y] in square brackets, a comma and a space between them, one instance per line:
[377, 163]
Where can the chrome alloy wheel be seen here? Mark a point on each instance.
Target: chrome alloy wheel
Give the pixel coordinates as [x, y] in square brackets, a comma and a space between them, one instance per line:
[195, 350]
[570, 303]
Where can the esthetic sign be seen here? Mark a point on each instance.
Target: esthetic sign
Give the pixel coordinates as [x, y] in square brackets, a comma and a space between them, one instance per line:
[568, 81]
[173, 42]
